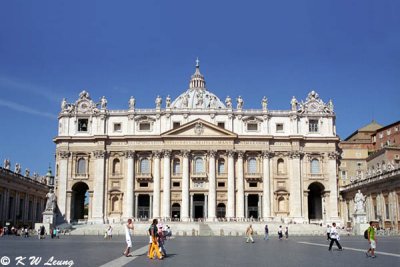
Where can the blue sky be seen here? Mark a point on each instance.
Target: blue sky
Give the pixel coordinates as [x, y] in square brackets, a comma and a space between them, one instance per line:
[345, 50]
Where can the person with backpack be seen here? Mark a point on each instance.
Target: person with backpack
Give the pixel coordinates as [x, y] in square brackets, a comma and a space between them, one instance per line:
[334, 238]
[370, 235]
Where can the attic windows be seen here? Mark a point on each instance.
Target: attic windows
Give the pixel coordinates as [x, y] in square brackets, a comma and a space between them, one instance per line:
[252, 126]
[144, 126]
[176, 125]
[83, 125]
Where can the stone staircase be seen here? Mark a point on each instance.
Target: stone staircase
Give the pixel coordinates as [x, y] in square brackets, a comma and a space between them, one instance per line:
[205, 230]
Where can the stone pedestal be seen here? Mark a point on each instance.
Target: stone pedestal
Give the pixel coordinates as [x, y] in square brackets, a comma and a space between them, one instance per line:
[360, 223]
[49, 217]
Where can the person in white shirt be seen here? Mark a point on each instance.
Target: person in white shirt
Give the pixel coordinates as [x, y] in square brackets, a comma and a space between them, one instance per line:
[334, 235]
[128, 228]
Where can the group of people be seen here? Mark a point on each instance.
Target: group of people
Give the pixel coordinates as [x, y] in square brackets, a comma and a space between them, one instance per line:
[250, 232]
[157, 237]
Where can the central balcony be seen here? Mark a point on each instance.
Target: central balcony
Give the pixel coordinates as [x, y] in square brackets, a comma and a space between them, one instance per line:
[200, 176]
[144, 177]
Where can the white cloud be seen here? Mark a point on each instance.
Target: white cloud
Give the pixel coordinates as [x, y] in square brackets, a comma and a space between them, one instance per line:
[25, 109]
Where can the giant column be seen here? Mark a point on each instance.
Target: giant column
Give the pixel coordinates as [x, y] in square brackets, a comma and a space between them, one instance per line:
[157, 184]
[185, 186]
[98, 188]
[231, 185]
[62, 181]
[333, 196]
[167, 185]
[130, 185]
[296, 195]
[240, 187]
[266, 205]
[212, 199]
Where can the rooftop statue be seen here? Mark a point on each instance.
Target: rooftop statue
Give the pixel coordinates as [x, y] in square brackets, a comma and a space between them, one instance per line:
[264, 103]
[158, 102]
[228, 102]
[103, 103]
[132, 103]
[294, 103]
[17, 168]
[6, 164]
[168, 101]
[239, 101]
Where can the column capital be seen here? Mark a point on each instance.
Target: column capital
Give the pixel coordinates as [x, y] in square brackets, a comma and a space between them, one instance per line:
[99, 154]
[156, 154]
[166, 153]
[212, 153]
[267, 154]
[63, 154]
[240, 154]
[296, 154]
[333, 155]
[129, 154]
[185, 153]
[231, 153]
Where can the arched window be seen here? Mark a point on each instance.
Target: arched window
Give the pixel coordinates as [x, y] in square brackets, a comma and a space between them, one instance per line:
[116, 166]
[81, 167]
[198, 165]
[145, 166]
[221, 166]
[176, 166]
[315, 168]
[281, 166]
[252, 165]
[281, 204]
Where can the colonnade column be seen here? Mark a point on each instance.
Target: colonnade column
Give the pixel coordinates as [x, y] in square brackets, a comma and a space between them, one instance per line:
[295, 188]
[205, 206]
[137, 205]
[185, 186]
[212, 201]
[157, 184]
[231, 185]
[62, 181]
[151, 206]
[98, 189]
[191, 207]
[240, 187]
[167, 185]
[333, 208]
[266, 204]
[246, 205]
[130, 186]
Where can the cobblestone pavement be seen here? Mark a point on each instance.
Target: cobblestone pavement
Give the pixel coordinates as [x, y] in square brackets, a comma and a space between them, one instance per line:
[196, 251]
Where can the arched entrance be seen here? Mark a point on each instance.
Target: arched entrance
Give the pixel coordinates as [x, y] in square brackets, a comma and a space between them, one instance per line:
[176, 211]
[143, 211]
[315, 201]
[80, 201]
[252, 206]
[198, 205]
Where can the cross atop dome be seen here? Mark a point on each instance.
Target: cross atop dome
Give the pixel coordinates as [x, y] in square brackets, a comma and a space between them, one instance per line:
[197, 62]
[197, 79]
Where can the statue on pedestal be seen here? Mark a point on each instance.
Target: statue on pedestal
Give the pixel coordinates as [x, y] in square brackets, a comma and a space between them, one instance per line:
[294, 103]
[103, 103]
[359, 202]
[168, 101]
[6, 164]
[51, 200]
[264, 103]
[158, 102]
[228, 102]
[132, 102]
[17, 168]
[239, 102]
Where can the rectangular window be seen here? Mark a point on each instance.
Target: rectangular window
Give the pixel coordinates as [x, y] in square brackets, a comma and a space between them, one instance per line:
[117, 127]
[144, 126]
[313, 126]
[221, 184]
[221, 125]
[176, 184]
[344, 175]
[83, 125]
[144, 184]
[279, 127]
[252, 126]
[253, 184]
[176, 124]
[387, 211]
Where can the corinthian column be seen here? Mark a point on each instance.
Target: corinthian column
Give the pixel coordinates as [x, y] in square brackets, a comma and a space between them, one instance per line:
[130, 185]
[333, 196]
[231, 185]
[296, 194]
[167, 185]
[98, 189]
[212, 201]
[185, 186]
[62, 157]
[266, 189]
[240, 187]
[156, 185]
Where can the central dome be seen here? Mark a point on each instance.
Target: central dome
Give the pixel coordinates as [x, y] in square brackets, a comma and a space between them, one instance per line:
[197, 96]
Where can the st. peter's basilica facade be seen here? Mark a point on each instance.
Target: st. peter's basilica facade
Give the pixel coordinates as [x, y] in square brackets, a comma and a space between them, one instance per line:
[197, 157]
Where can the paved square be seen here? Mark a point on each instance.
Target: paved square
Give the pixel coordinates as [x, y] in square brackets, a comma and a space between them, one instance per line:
[199, 251]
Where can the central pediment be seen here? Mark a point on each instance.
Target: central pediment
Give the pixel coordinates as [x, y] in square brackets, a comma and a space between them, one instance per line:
[199, 129]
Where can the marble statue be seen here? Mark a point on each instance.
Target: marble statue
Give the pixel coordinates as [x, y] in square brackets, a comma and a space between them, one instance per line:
[168, 101]
[158, 102]
[6, 164]
[63, 104]
[228, 102]
[132, 102]
[103, 103]
[185, 101]
[264, 103]
[27, 172]
[359, 202]
[17, 168]
[239, 102]
[51, 200]
[294, 103]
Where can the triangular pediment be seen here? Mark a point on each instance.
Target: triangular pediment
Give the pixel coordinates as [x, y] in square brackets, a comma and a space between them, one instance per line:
[199, 129]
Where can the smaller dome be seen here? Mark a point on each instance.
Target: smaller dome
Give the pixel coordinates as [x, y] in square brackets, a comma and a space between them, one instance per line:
[197, 96]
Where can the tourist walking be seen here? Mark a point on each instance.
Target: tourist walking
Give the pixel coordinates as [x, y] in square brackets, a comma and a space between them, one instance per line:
[128, 237]
[266, 232]
[287, 232]
[334, 235]
[161, 240]
[249, 234]
[109, 232]
[371, 240]
[153, 231]
[280, 235]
